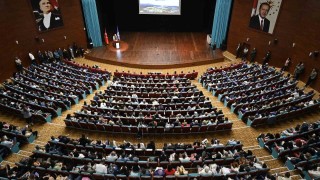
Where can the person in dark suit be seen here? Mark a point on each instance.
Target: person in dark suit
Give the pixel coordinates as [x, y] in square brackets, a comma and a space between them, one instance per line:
[260, 22]
[50, 16]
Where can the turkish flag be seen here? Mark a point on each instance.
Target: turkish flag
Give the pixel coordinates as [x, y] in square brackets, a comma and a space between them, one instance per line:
[254, 7]
[106, 40]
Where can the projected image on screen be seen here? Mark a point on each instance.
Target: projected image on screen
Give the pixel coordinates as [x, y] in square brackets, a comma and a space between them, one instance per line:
[162, 7]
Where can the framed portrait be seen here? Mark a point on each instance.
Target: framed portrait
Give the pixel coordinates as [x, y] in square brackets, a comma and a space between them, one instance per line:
[264, 15]
[47, 14]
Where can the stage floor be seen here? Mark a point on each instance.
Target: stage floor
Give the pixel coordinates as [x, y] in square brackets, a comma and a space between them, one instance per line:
[158, 50]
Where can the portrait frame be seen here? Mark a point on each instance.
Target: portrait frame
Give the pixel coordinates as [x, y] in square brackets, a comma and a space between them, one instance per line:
[268, 19]
[47, 15]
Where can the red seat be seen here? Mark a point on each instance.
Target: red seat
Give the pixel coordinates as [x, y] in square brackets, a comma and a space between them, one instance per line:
[116, 128]
[75, 124]
[68, 122]
[134, 129]
[203, 128]
[160, 130]
[164, 164]
[186, 129]
[108, 128]
[98, 176]
[125, 129]
[146, 177]
[195, 129]
[91, 126]
[100, 127]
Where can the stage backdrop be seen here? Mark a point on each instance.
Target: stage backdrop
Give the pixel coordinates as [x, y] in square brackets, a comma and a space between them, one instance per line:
[47, 14]
[268, 9]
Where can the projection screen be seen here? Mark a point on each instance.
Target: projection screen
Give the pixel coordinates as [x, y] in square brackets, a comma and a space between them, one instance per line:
[160, 7]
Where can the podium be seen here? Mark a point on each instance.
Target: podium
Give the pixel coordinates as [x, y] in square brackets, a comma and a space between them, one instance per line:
[116, 44]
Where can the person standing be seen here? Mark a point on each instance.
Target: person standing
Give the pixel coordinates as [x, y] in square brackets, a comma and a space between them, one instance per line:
[286, 65]
[18, 64]
[267, 58]
[60, 54]
[245, 53]
[71, 52]
[238, 51]
[27, 115]
[253, 55]
[41, 57]
[32, 58]
[298, 70]
[312, 77]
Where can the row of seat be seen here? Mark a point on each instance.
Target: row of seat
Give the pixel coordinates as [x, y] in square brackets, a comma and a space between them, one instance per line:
[68, 70]
[86, 82]
[17, 111]
[284, 116]
[44, 89]
[148, 130]
[105, 73]
[191, 176]
[188, 75]
[36, 95]
[269, 143]
[107, 149]
[246, 114]
[61, 82]
[54, 112]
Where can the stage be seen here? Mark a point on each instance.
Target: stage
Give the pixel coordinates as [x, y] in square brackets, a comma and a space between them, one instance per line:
[158, 50]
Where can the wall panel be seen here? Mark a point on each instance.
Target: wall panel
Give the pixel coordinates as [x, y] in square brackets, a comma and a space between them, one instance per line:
[298, 22]
[17, 23]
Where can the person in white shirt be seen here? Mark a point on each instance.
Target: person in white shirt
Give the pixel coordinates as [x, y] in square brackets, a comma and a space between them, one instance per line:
[18, 64]
[32, 58]
[100, 168]
[245, 53]
[287, 176]
[315, 173]
[103, 104]
[112, 156]
[205, 171]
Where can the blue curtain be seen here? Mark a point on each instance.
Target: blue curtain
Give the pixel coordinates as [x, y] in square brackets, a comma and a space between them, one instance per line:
[92, 21]
[220, 21]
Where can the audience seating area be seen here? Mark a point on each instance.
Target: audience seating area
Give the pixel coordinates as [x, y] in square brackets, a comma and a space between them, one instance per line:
[258, 94]
[94, 159]
[12, 137]
[190, 75]
[156, 103]
[299, 147]
[150, 104]
[49, 88]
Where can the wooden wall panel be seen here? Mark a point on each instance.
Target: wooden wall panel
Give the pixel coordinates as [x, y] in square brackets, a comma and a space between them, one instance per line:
[18, 23]
[298, 22]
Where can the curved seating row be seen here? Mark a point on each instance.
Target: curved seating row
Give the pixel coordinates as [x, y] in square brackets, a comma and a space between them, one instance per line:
[16, 109]
[54, 112]
[194, 176]
[107, 149]
[246, 102]
[189, 75]
[123, 88]
[148, 130]
[90, 69]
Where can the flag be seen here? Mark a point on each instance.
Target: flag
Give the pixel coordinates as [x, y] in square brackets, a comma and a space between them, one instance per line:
[106, 37]
[254, 7]
[54, 4]
[118, 34]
